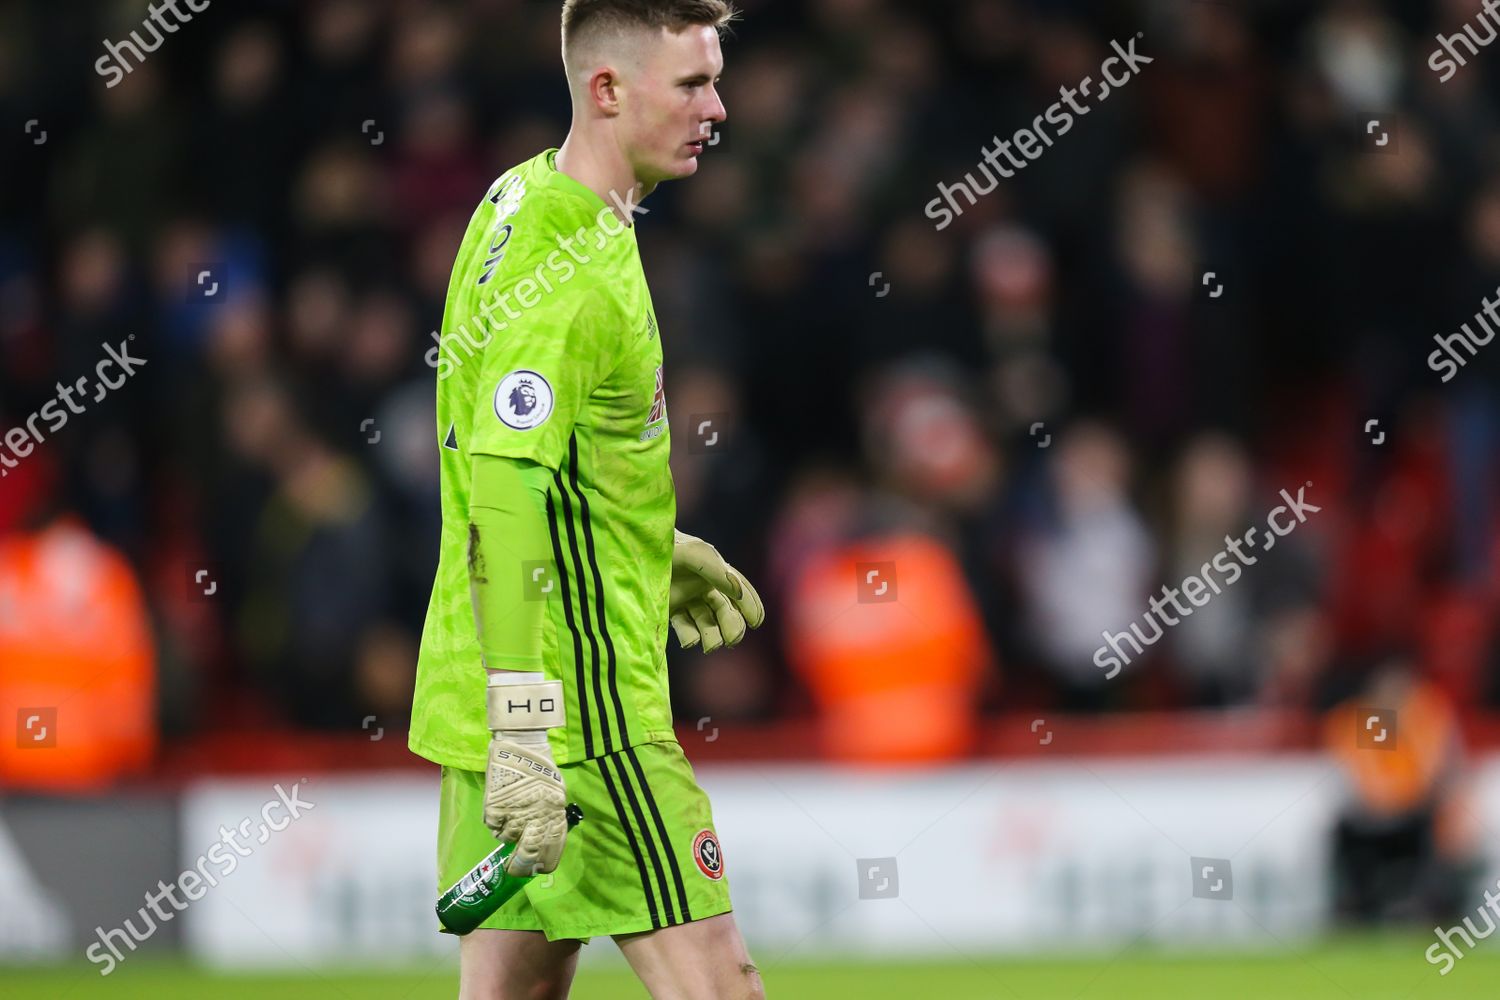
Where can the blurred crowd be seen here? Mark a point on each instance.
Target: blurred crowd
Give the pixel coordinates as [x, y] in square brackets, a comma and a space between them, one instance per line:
[1023, 424]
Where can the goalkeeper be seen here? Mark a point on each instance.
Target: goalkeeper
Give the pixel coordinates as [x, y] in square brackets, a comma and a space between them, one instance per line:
[542, 676]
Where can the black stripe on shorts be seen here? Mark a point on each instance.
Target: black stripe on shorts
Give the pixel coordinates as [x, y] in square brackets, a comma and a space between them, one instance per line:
[640, 861]
[661, 828]
[651, 850]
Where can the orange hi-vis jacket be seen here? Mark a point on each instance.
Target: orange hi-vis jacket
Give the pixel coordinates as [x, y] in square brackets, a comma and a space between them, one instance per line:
[77, 664]
[888, 637]
[1393, 770]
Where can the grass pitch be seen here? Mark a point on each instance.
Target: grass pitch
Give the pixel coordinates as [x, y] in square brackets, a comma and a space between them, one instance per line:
[1364, 968]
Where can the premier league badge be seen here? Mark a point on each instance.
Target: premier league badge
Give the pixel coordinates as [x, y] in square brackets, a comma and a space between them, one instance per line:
[523, 400]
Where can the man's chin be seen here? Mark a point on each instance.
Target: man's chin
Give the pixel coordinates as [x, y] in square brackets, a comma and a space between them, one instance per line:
[685, 166]
[671, 170]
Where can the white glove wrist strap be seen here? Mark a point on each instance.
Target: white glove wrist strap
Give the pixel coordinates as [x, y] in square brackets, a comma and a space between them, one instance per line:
[531, 739]
[518, 705]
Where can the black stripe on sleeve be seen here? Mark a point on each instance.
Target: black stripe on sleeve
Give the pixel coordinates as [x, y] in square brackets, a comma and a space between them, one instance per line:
[609, 646]
[583, 611]
[562, 572]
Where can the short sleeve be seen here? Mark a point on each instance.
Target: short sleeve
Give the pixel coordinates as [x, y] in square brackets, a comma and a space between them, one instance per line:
[540, 369]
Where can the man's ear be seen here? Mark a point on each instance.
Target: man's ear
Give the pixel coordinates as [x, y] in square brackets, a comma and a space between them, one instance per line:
[604, 90]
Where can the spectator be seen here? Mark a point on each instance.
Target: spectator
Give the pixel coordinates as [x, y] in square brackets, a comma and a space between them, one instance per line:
[1085, 562]
[79, 667]
[1400, 848]
[886, 636]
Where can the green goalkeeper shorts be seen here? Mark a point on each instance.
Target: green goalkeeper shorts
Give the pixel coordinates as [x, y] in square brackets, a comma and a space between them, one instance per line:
[644, 856]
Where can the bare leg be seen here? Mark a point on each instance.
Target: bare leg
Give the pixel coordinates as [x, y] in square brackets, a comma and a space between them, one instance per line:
[515, 965]
[702, 960]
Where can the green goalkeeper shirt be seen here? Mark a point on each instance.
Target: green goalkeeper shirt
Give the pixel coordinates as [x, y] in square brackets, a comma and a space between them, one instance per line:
[550, 353]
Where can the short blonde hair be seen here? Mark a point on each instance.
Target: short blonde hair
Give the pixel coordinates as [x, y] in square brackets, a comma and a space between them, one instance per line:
[583, 18]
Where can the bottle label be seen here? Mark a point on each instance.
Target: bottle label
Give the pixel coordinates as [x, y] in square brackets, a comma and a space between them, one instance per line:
[476, 883]
[481, 880]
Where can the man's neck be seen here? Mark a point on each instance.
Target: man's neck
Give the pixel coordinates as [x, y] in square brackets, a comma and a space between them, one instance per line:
[600, 168]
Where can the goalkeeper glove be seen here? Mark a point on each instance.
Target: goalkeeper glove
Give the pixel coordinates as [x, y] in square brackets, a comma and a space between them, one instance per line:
[525, 800]
[710, 600]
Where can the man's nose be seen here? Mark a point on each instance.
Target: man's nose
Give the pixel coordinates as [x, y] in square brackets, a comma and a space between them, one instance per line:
[716, 110]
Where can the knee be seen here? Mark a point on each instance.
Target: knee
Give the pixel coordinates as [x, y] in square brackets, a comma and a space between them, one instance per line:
[719, 982]
[540, 986]
[754, 988]
[551, 988]
[535, 988]
[515, 984]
